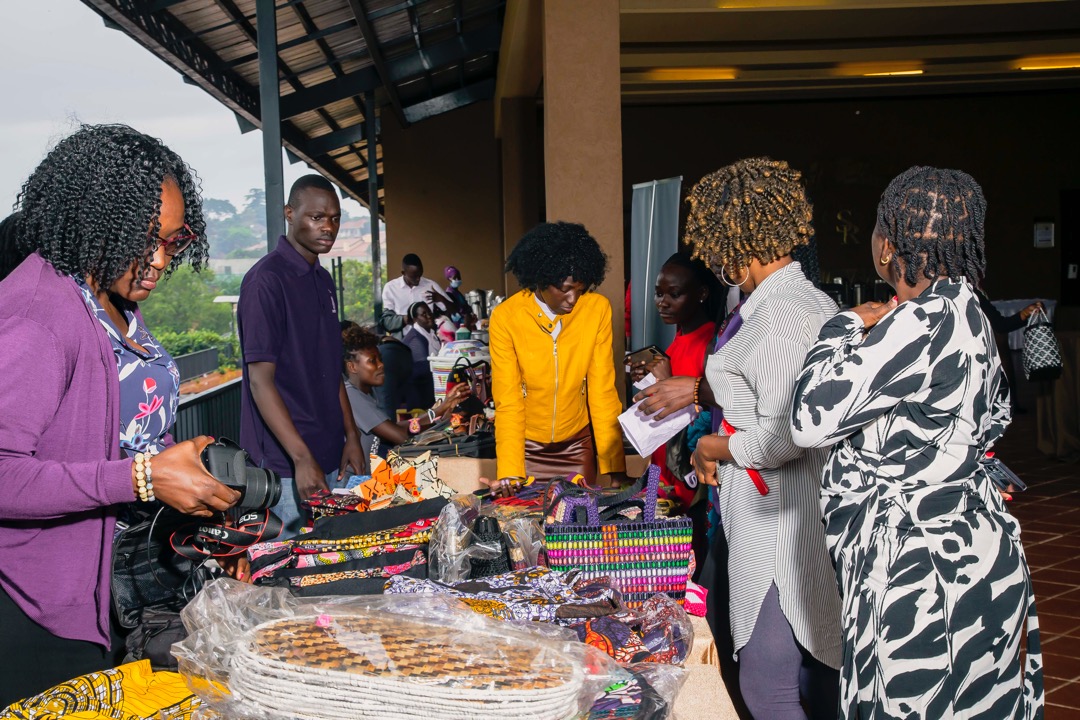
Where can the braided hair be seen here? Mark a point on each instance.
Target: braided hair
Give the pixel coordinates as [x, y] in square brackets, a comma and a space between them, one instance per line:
[935, 220]
[92, 206]
[753, 209]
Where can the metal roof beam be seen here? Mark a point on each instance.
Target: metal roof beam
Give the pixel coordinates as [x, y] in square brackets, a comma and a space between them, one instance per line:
[372, 43]
[447, 52]
[164, 36]
[339, 139]
[467, 95]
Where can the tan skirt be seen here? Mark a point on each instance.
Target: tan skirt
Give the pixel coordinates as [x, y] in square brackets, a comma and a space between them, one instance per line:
[573, 455]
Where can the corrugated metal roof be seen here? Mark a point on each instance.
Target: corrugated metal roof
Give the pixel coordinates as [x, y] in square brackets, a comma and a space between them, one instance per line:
[428, 57]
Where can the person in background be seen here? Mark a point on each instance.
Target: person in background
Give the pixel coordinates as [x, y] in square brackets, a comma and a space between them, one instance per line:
[460, 311]
[87, 394]
[423, 341]
[403, 292]
[688, 296]
[910, 395]
[364, 371]
[745, 219]
[553, 375]
[1005, 324]
[295, 416]
[397, 367]
[10, 252]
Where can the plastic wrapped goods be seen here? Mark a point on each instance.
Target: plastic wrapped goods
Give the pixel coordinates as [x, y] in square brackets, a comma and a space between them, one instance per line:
[259, 653]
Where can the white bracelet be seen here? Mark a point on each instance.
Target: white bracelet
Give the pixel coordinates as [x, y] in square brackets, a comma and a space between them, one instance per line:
[431, 415]
[144, 476]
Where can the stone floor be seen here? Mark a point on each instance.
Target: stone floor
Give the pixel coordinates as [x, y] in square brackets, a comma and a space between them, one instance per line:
[1049, 514]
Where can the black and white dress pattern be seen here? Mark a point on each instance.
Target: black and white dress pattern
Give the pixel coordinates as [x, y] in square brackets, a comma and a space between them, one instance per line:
[935, 586]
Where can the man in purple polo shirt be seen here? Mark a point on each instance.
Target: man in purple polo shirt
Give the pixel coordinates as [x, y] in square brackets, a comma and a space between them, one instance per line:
[295, 417]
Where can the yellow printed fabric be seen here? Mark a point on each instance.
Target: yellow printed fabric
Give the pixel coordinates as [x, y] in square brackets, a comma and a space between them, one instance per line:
[129, 692]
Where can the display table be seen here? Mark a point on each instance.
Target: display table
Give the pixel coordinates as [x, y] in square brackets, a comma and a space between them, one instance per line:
[1059, 404]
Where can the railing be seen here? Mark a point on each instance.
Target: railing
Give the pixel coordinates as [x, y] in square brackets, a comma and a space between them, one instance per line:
[214, 412]
[196, 364]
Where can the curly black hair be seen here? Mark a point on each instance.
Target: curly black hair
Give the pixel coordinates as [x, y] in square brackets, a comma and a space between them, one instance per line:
[552, 252]
[752, 209]
[92, 206]
[10, 253]
[935, 219]
[356, 339]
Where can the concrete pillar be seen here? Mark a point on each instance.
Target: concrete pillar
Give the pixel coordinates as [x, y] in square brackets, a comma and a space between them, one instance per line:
[583, 134]
[520, 173]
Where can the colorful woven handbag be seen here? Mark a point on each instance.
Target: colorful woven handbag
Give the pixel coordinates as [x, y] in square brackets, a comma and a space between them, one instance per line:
[618, 535]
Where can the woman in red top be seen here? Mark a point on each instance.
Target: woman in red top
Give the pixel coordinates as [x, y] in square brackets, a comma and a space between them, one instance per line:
[689, 297]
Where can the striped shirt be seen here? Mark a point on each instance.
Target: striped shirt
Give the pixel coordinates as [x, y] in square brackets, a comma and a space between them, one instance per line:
[778, 537]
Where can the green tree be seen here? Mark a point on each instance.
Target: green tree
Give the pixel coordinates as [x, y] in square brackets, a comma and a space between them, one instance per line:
[359, 299]
[185, 301]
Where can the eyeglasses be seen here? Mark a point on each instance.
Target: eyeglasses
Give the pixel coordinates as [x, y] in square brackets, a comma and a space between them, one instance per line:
[175, 245]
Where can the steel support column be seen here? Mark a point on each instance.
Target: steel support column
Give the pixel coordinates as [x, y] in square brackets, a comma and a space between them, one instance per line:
[373, 199]
[270, 112]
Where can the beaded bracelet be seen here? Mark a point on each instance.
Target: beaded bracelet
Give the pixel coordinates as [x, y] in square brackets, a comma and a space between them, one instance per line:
[144, 477]
[697, 389]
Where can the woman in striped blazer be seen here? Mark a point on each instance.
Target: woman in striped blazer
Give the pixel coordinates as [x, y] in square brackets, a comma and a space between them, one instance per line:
[745, 220]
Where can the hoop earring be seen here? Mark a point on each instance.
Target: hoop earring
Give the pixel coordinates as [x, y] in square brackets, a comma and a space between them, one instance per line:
[728, 281]
[886, 260]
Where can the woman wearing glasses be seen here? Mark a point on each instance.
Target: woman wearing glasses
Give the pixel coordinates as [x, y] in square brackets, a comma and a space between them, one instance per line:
[87, 393]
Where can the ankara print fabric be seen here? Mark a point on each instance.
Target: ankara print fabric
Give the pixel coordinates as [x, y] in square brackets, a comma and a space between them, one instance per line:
[935, 586]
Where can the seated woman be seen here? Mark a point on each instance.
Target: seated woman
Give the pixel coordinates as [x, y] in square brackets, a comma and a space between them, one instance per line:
[553, 374]
[422, 339]
[364, 371]
[87, 394]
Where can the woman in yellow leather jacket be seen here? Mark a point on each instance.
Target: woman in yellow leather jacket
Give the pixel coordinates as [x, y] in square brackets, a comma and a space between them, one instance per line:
[553, 375]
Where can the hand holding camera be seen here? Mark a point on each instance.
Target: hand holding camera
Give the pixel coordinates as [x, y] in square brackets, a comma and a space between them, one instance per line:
[181, 481]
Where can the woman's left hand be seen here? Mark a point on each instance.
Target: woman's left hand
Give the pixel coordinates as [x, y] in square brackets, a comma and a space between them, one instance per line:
[872, 312]
[705, 460]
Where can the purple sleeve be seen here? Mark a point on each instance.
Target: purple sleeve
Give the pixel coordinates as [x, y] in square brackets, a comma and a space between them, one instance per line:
[32, 488]
[261, 314]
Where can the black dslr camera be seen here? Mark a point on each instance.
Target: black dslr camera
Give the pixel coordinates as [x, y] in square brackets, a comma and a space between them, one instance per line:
[228, 462]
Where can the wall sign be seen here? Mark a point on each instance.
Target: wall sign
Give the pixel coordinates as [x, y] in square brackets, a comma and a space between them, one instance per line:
[1044, 233]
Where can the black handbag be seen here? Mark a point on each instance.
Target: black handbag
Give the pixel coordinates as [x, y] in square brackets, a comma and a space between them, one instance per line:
[148, 573]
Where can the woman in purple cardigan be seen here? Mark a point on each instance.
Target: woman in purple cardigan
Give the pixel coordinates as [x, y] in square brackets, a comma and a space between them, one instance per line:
[87, 394]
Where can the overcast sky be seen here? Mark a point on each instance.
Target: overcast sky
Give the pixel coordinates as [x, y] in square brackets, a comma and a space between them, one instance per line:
[62, 66]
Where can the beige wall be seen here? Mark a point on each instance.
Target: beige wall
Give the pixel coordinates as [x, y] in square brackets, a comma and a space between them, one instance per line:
[443, 195]
[1021, 148]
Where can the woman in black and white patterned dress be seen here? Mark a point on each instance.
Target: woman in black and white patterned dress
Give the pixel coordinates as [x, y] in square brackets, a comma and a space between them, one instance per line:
[911, 395]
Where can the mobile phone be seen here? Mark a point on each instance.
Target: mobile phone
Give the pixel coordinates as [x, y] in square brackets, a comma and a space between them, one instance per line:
[645, 354]
[1004, 478]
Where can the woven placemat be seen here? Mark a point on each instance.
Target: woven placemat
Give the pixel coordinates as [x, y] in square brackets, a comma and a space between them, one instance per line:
[354, 665]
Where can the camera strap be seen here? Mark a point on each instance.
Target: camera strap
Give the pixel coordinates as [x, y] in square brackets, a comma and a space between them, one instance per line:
[201, 540]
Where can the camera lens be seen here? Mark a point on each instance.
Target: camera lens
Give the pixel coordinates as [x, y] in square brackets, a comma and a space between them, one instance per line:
[260, 488]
